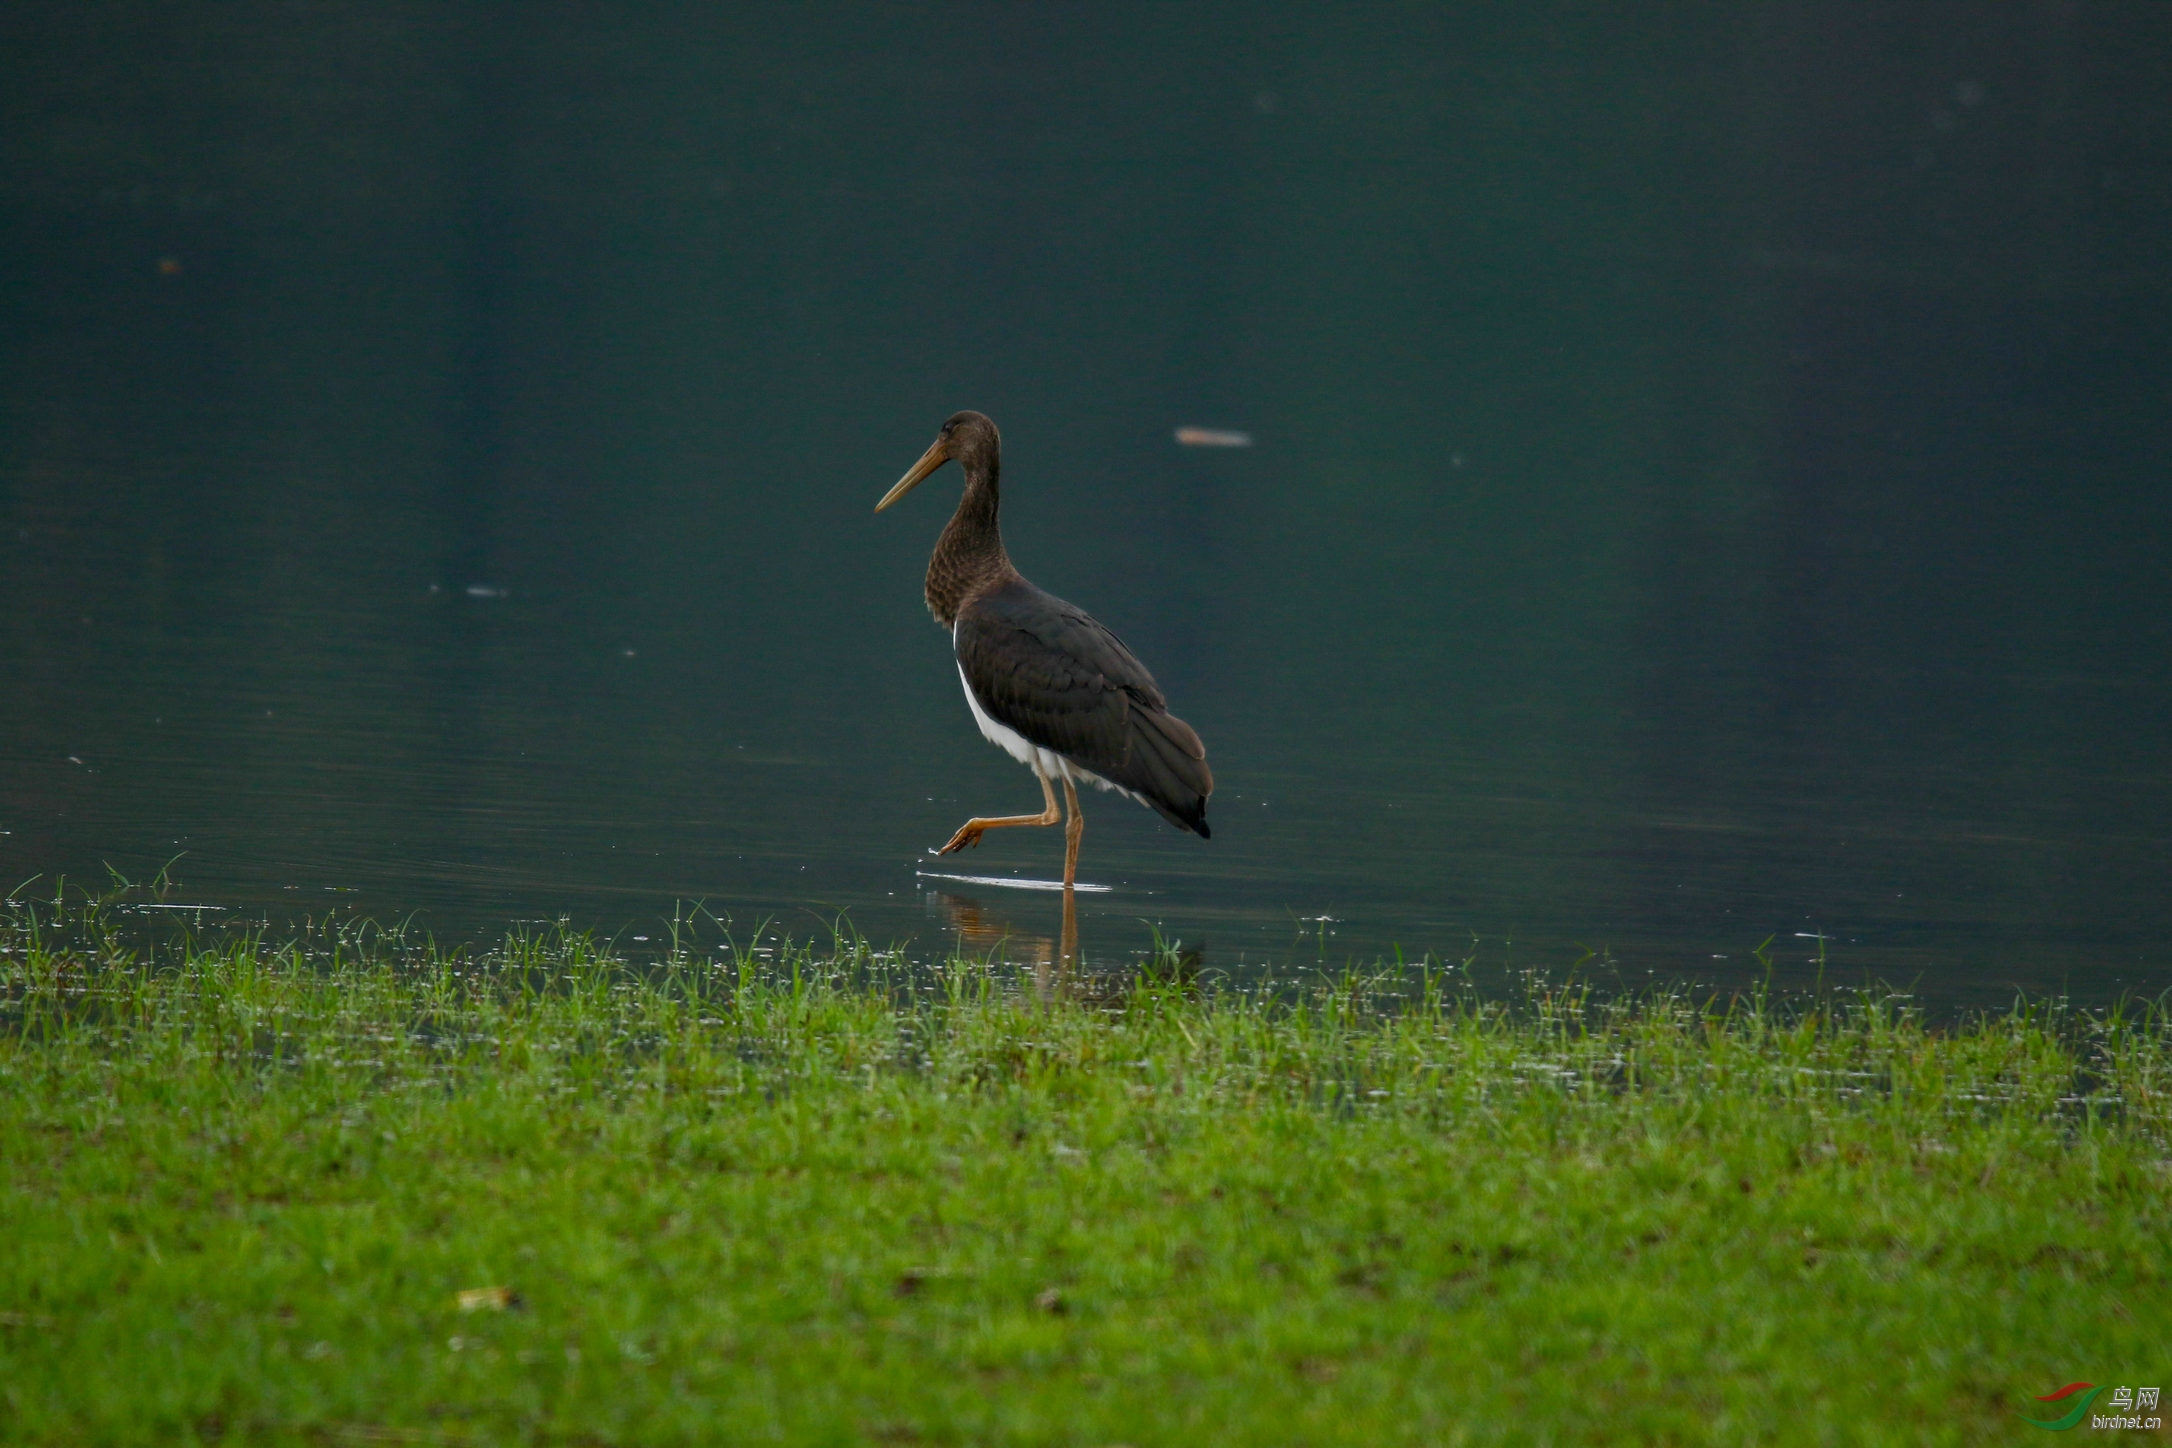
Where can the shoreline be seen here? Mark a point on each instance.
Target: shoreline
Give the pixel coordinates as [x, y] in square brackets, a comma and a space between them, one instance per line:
[537, 1194]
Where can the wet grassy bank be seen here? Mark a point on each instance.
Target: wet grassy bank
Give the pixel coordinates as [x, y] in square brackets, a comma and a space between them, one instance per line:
[798, 1197]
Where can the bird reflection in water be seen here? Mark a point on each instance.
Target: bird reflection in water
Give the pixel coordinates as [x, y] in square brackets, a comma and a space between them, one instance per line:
[1058, 968]
[982, 931]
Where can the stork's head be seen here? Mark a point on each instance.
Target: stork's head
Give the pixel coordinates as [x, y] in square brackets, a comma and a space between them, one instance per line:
[968, 437]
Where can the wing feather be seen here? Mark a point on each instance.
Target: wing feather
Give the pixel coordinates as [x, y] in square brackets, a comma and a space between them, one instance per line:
[1050, 671]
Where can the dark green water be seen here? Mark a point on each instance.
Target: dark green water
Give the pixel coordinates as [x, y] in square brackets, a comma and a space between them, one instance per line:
[1710, 477]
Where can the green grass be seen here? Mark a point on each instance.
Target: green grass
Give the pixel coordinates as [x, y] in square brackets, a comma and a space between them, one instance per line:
[817, 1198]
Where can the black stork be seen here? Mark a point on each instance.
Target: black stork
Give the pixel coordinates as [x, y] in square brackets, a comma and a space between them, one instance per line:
[1046, 683]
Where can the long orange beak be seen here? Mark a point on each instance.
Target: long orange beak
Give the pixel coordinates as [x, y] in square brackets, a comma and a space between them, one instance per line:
[936, 455]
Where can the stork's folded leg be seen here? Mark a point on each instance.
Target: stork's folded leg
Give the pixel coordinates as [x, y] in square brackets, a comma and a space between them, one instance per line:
[1071, 834]
[970, 832]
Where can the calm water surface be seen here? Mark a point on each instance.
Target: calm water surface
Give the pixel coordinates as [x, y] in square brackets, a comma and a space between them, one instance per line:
[1709, 478]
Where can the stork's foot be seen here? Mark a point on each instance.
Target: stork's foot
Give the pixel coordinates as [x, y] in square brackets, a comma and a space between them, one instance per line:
[968, 835]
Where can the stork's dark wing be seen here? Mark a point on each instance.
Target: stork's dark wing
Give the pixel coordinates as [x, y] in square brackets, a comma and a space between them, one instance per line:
[1049, 671]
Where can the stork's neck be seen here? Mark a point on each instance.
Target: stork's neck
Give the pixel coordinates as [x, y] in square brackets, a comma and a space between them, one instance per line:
[969, 557]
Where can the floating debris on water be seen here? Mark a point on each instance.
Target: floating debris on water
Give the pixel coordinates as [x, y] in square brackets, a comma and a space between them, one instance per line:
[1001, 883]
[484, 590]
[1212, 437]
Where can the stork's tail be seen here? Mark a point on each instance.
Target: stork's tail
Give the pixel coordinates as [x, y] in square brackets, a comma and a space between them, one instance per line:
[1167, 765]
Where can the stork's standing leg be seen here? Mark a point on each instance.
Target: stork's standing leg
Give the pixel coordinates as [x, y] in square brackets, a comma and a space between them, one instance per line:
[1073, 828]
[1071, 833]
[970, 832]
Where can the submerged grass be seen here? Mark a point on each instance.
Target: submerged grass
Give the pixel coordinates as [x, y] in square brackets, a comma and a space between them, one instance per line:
[356, 1188]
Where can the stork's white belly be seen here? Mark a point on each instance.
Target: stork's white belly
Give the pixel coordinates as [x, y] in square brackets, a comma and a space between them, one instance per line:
[1041, 761]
